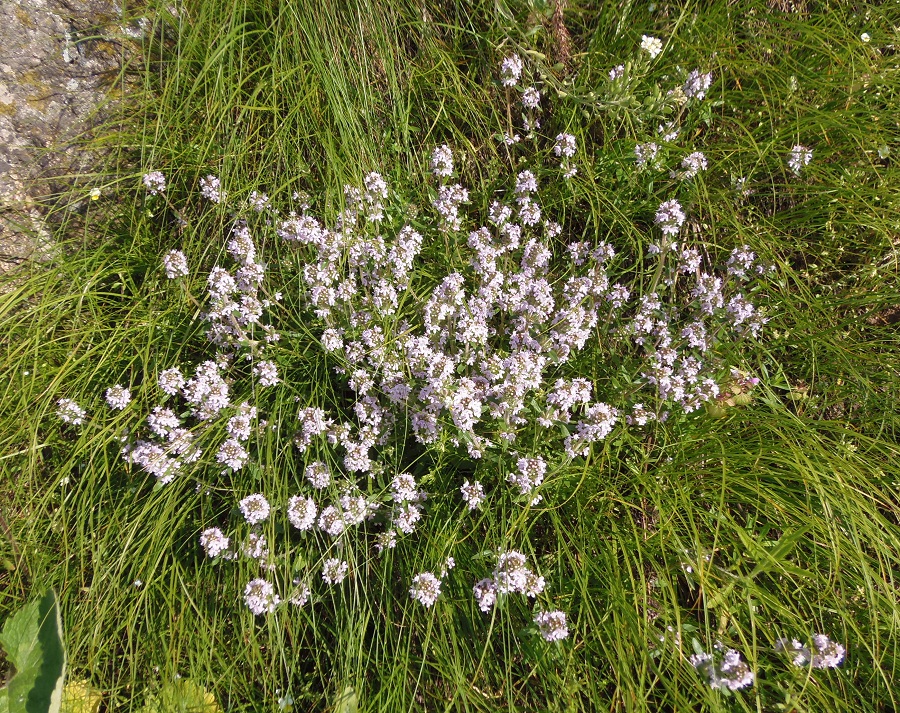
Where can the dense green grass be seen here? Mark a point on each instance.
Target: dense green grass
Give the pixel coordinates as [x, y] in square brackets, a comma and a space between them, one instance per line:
[794, 497]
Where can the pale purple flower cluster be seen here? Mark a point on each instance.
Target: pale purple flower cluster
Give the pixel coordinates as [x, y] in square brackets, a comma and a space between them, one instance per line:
[531, 99]
[727, 671]
[472, 494]
[697, 84]
[171, 381]
[511, 575]
[799, 158]
[447, 204]
[302, 512]
[232, 454]
[70, 412]
[822, 653]
[235, 306]
[467, 360]
[565, 145]
[511, 70]
[155, 182]
[691, 165]
[214, 542]
[164, 457]
[529, 474]
[211, 189]
[118, 397]
[442, 161]
[260, 597]
[266, 373]
[255, 508]
[552, 625]
[259, 202]
[425, 589]
[646, 155]
[670, 217]
[334, 570]
[175, 264]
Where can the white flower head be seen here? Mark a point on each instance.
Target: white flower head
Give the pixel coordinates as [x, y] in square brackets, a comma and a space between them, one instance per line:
[472, 494]
[70, 412]
[260, 597]
[171, 381]
[255, 508]
[511, 70]
[118, 397]
[318, 474]
[566, 145]
[155, 182]
[799, 158]
[266, 373]
[211, 189]
[214, 542]
[442, 161]
[301, 512]
[175, 264]
[670, 217]
[651, 45]
[334, 571]
[552, 625]
[425, 589]
[531, 98]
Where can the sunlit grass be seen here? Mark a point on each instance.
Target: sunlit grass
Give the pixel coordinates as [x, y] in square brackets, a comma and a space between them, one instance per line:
[785, 510]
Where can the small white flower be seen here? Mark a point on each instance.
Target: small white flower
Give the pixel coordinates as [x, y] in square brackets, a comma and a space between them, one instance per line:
[565, 145]
[485, 594]
[799, 157]
[171, 381]
[865, 37]
[95, 194]
[472, 494]
[318, 474]
[301, 512]
[211, 189]
[651, 45]
[441, 163]
[267, 373]
[670, 217]
[233, 455]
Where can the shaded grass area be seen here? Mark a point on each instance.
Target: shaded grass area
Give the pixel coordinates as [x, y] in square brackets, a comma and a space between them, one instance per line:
[785, 511]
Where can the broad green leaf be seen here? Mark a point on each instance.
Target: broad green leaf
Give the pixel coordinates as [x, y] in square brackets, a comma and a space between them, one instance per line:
[80, 697]
[32, 638]
[347, 701]
[182, 696]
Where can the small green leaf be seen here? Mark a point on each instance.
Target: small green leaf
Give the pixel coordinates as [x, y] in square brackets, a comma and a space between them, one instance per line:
[32, 638]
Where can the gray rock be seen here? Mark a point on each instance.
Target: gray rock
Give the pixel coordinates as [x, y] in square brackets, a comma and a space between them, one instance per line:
[58, 60]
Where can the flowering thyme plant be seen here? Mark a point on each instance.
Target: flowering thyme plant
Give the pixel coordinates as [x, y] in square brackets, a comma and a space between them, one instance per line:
[481, 361]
